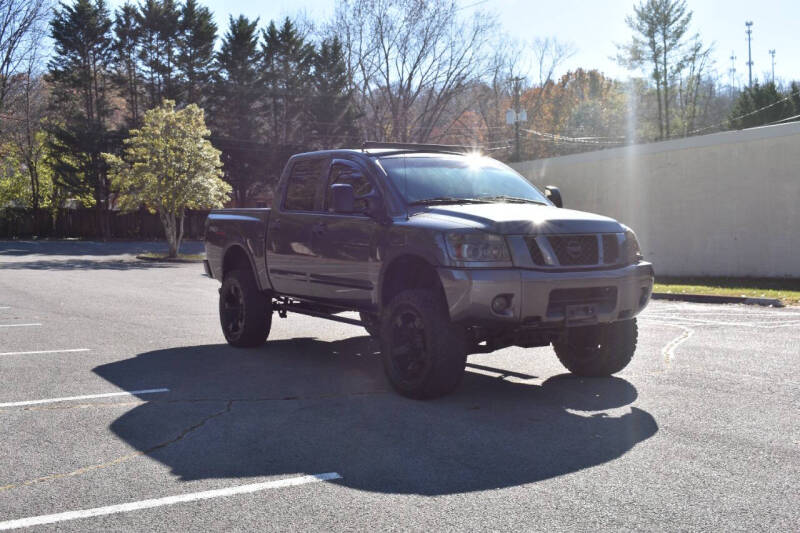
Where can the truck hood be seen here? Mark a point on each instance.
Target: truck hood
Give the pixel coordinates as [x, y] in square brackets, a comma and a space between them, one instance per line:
[520, 219]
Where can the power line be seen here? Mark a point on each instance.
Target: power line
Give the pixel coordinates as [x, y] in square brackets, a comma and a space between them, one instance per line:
[728, 121]
[574, 140]
[473, 4]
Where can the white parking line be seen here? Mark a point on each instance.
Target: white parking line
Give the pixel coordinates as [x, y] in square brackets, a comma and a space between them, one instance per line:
[86, 397]
[4, 307]
[169, 500]
[768, 325]
[71, 350]
[17, 325]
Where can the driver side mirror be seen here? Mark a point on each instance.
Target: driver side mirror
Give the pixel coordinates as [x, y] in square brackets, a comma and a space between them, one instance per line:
[343, 198]
[553, 194]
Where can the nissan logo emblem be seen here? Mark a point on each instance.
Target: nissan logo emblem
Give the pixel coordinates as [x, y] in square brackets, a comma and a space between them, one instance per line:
[574, 249]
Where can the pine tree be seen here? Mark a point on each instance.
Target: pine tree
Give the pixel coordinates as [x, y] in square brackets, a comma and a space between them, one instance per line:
[332, 114]
[127, 41]
[236, 112]
[759, 105]
[159, 23]
[196, 50]
[660, 43]
[287, 65]
[79, 71]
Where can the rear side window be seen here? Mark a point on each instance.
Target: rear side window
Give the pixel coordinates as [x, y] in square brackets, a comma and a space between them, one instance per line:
[303, 184]
[348, 175]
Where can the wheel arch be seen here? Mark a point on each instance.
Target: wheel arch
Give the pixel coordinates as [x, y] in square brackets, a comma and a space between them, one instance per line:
[407, 271]
[237, 257]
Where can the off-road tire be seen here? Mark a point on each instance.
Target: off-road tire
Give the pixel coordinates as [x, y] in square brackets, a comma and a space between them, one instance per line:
[424, 354]
[371, 324]
[245, 313]
[598, 351]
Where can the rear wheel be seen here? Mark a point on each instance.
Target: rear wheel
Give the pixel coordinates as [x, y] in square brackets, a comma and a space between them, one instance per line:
[245, 313]
[424, 353]
[599, 350]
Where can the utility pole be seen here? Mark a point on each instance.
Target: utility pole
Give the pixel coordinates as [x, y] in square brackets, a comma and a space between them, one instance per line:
[732, 74]
[516, 116]
[749, 32]
[772, 53]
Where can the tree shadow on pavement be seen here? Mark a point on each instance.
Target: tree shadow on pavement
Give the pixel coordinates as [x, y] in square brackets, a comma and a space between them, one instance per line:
[310, 406]
[73, 248]
[88, 264]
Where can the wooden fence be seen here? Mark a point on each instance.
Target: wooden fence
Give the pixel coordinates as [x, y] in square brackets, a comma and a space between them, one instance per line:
[83, 223]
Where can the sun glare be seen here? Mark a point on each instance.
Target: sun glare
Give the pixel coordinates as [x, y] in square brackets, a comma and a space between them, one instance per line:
[474, 160]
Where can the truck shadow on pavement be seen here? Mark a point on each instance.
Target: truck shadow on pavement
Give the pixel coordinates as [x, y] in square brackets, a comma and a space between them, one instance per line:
[310, 406]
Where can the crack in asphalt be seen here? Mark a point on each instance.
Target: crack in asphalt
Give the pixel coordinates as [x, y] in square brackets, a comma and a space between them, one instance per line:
[183, 433]
[123, 458]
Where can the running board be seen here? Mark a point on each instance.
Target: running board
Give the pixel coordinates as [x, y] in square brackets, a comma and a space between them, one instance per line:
[282, 308]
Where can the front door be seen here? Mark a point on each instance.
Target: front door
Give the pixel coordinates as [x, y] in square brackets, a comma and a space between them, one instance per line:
[347, 245]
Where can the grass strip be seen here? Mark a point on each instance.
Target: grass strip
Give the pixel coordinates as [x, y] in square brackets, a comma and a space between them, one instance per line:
[785, 289]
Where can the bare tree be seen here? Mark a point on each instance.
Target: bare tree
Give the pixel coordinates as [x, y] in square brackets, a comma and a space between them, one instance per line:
[30, 104]
[492, 96]
[22, 27]
[409, 61]
[691, 93]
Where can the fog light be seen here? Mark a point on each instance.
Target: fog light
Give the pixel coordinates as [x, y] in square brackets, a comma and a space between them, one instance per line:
[501, 303]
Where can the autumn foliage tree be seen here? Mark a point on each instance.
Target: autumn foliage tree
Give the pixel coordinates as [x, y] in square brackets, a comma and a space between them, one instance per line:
[169, 166]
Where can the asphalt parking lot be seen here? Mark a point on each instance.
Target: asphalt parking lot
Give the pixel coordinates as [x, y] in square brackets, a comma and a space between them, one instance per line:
[122, 408]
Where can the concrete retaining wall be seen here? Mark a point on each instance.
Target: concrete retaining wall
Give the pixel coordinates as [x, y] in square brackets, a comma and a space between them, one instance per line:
[726, 204]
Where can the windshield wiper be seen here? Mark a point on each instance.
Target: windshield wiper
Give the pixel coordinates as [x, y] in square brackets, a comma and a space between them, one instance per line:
[511, 199]
[449, 200]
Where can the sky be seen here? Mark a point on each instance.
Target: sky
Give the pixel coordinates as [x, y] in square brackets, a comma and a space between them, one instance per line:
[594, 26]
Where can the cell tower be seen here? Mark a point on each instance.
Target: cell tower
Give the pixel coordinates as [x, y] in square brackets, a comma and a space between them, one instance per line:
[749, 32]
[772, 53]
[732, 74]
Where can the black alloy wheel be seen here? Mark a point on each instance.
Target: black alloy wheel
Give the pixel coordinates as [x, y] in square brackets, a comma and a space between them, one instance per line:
[232, 310]
[245, 313]
[409, 357]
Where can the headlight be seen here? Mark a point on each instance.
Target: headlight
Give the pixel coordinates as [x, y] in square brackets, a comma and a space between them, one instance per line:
[477, 247]
[631, 251]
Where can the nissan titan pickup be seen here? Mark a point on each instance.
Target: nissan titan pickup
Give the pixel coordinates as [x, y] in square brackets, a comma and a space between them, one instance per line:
[442, 252]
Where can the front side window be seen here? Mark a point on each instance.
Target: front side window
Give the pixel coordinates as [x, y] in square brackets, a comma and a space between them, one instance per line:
[425, 177]
[351, 176]
[303, 184]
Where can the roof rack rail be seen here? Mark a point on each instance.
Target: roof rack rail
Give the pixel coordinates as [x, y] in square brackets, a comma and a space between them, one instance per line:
[445, 148]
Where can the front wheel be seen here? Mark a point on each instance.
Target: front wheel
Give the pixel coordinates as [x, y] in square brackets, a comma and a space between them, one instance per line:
[371, 324]
[600, 350]
[245, 313]
[424, 353]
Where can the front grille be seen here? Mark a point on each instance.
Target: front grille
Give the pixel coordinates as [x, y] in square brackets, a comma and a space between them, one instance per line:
[604, 298]
[536, 253]
[575, 250]
[610, 249]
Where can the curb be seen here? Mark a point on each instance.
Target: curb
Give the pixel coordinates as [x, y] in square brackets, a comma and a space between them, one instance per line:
[711, 299]
[165, 260]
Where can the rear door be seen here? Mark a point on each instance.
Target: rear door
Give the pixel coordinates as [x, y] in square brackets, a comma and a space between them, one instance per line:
[346, 245]
[289, 249]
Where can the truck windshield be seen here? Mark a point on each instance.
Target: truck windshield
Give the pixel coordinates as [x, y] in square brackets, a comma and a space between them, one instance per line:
[441, 178]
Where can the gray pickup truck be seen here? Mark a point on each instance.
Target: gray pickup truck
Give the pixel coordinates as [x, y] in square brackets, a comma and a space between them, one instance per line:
[443, 252]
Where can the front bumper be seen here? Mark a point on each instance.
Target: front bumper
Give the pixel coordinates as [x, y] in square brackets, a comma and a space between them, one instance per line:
[542, 298]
